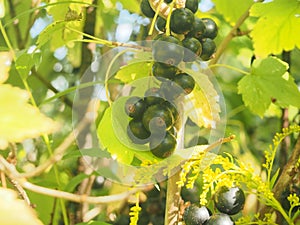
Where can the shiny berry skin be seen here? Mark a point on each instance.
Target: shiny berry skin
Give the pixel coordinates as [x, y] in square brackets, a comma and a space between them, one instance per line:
[192, 49]
[135, 107]
[163, 147]
[208, 49]
[219, 219]
[153, 96]
[192, 5]
[137, 132]
[198, 29]
[157, 119]
[185, 81]
[195, 215]
[160, 24]
[171, 90]
[229, 200]
[146, 9]
[167, 49]
[211, 28]
[162, 70]
[182, 21]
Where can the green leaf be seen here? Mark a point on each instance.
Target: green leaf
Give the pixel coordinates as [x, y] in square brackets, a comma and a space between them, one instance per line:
[53, 30]
[134, 71]
[109, 140]
[24, 64]
[267, 82]
[230, 13]
[277, 28]
[75, 181]
[274, 179]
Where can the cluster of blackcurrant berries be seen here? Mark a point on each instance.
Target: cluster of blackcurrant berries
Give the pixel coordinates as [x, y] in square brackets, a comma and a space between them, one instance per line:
[155, 118]
[228, 201]
[198, 33]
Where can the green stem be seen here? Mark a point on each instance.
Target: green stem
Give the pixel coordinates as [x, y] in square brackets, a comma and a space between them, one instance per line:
[155, 18]
[228, 67]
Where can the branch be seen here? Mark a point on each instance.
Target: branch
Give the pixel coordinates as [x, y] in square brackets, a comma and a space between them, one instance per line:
[287, 175]
[233, 33]
[13, 174]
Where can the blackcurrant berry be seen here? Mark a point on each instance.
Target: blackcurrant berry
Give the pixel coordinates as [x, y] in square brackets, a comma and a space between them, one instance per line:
[211, 28]
[198, 29]
[160, 24]
[146, 9]
[219, 219]
[182, 20]
[163, 147]
[162, 70]
[192, 5]
[194, 215]
[185, 81]
[135, 107]
[168, 1]
[173, 109]
[153, 96]
[171, 90]
[208, 49]
[137, 132]
[157, 119]
[229, 200]
[167, 49]
[193, 48]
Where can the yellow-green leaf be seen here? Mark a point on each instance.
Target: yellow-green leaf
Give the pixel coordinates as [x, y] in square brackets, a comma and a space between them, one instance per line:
[2, 9]
[14, 211]
[277, 28]
[230, 13]
[5, 62]
[20, 120]
[202, 105]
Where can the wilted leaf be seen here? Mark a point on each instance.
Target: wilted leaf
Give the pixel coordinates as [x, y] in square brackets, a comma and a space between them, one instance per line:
[5, 62]
[14, 211]
[20, 120]
[277, 28]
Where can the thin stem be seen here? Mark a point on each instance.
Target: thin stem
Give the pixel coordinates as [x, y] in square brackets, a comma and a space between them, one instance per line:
[229, 37]
[155, 18]
[228, 67]
[96, 40]
[7, 41]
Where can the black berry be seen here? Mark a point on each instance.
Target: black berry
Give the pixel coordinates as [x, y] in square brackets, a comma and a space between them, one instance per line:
[193, 48]
[208, 49]
[163, 147]
[135, 106]
[146, 9]
[192, 5]
[229, 200]
[211, 29]
[137, 132]
[182, 20]
[198, 29]
[219, 219]
[194, 215]
[157, 119]
[162, 70]
[185, 81]
[167, 49]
